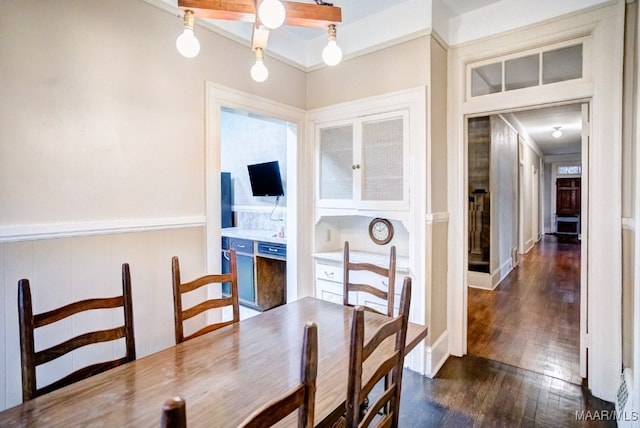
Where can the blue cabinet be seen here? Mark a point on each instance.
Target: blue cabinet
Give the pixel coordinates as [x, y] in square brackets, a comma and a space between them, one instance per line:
[261, 272]
[246, 279]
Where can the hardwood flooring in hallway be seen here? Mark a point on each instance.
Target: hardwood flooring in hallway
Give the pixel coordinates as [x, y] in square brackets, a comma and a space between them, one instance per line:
[532, 319]
[523, 364]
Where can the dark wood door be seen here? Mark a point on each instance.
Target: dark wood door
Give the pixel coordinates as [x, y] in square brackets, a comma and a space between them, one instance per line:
[568, 196]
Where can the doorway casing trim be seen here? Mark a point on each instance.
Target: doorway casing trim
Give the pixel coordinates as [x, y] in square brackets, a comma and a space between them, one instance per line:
[603, 85]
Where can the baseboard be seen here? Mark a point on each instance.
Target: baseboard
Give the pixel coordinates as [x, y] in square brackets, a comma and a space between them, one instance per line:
[479, 280]
[501, 273]
[485, 281]
[436, 355]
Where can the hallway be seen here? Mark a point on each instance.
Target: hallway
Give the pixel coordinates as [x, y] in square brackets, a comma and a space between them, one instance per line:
[532, 319]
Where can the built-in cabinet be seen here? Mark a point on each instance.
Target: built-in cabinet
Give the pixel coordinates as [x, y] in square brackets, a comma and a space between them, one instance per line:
[262, 272]
[362, 163]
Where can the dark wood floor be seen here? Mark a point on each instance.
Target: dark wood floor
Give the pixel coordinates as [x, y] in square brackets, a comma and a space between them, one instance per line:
[522, 368]
[476, 392]
[532, 319]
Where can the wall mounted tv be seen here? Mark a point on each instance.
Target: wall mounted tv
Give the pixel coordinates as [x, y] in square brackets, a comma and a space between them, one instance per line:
[265, 179]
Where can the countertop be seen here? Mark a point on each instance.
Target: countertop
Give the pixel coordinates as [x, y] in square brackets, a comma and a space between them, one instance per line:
[254, 235]
[402, 263]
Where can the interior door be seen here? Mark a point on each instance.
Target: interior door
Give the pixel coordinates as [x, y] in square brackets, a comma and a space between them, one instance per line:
[568, 196]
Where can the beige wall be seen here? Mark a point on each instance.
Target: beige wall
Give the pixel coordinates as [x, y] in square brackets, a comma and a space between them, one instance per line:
[437, 126]
[102, 118]
[387, 70]
[436, 250]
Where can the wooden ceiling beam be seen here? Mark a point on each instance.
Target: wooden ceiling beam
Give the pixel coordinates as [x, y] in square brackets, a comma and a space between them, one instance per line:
[311, 15]
[298, 14]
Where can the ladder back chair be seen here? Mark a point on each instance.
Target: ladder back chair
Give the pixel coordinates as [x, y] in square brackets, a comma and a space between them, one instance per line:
[28, 323]
[174, 413]
[179, 288]
[302, 397]
[385, 409]
[387, 274]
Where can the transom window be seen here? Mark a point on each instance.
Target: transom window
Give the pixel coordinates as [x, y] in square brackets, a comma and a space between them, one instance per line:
[569, 170]
[535, 68]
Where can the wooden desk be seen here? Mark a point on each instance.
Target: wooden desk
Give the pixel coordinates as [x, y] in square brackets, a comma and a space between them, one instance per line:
[223, 375]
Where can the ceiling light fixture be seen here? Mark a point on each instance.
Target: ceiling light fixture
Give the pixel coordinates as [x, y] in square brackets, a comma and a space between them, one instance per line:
[332, 54]
[259, 72]
[557, 133]
[271, 13]
[186, 43]
[265, 16]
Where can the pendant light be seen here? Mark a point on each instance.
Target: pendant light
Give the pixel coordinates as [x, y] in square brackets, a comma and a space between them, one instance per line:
[332, 54]
[271, 13]
[259, 72]
[186, 43]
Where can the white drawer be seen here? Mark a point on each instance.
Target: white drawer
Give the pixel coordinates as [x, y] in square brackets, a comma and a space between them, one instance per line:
[329, 272]
[329, 291]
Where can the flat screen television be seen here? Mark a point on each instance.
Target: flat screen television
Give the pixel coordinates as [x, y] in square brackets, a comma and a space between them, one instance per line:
[265, 179]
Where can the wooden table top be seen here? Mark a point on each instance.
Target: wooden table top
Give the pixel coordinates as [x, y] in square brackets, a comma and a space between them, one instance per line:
[223, 375]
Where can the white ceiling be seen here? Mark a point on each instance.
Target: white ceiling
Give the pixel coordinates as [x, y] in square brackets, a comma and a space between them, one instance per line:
[539, 124]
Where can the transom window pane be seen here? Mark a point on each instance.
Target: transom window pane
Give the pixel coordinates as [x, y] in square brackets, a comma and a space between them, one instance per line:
[569, 170]
[486, 79]
[558, 65]
[562, 64]
[522, 72]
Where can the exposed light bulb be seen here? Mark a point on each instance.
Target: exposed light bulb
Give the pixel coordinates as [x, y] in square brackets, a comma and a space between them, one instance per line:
[271, 13]
[557, 133]
[332, 54]
[259, 72]
[186, 43]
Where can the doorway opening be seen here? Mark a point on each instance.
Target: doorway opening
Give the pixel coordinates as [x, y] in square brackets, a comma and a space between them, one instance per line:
[526, 298]
[274, 135]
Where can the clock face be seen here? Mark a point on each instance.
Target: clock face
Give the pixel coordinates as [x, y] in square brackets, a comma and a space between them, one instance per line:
[380, 231]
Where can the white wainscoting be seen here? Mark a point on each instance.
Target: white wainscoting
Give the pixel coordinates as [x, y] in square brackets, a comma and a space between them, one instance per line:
[62, 270]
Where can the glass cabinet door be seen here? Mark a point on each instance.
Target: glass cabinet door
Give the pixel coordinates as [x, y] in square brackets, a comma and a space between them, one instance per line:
[336, 163]
[383, 146]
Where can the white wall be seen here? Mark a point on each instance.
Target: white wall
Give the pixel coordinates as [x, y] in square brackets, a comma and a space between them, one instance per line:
[504, 196]
[248, 139]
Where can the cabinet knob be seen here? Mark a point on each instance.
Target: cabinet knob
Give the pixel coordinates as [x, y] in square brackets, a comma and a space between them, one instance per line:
[328, 274]
[384, 284]
[357, 166]
[353, 167]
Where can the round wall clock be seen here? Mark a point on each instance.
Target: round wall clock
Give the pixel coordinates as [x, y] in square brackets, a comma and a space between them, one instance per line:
[380, 231]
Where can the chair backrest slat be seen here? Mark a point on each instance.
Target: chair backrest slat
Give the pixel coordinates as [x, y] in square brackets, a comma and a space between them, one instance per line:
[28, 323]
[179, 288]
[389, 272]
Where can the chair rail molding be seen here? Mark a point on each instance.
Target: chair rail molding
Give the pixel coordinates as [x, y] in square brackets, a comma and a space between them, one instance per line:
[29, 232]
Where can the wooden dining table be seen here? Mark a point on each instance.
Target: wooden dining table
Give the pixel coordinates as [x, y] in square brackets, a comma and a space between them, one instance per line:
[223, 375]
